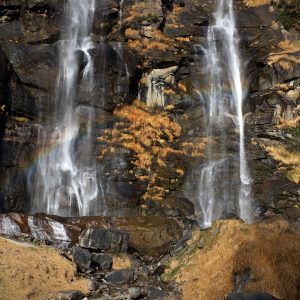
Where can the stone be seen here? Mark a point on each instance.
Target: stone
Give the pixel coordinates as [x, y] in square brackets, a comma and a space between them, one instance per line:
[82, 258]
[134, 293]
[93, 285]
[254, 296]
[67, 295]
[103, 261]
[155, 293]
[110, 240]
[183, 241]
[120, 277]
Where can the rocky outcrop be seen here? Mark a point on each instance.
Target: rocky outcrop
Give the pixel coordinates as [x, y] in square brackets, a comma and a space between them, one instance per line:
[146, 235]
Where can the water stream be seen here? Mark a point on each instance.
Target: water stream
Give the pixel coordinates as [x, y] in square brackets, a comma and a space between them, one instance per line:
[65, 182]
[216, 188]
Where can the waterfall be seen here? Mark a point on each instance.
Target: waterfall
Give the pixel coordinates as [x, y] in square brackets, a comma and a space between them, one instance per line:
[65, 180]
[224, 107]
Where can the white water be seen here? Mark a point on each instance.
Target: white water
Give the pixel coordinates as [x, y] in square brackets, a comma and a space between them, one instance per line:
[66, 179]
[121, 10]
[225, 105]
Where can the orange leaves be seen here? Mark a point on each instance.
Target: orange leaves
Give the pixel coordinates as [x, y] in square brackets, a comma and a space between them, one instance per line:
[146, 133]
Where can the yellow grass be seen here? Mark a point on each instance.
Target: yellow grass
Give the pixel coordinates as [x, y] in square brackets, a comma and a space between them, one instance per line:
[270, 251]
[157, 40]
[291, 46]
[121, 261]
[283, 123]
[132, 33]
[285, 58]
[288, 159]
[254, 3]
[32, 272]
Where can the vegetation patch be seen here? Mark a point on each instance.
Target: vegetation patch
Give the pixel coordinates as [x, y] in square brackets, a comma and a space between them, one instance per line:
[285, 57]
[290, 160]
[33, 272]
[255, 3]
[269, 251]
[152, 137]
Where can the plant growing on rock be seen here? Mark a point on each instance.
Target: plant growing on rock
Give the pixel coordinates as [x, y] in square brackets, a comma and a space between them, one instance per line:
[152, 137]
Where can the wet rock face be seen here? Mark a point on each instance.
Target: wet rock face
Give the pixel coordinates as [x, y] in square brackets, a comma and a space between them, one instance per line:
[146, 235]
[152, 50]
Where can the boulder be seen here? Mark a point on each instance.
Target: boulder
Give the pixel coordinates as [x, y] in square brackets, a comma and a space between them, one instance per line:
[67, 295]
[120, 277]
[109, 240]
[103, 261]
[82, 258]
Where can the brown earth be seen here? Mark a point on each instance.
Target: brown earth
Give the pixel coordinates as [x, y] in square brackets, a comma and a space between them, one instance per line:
[29, 271]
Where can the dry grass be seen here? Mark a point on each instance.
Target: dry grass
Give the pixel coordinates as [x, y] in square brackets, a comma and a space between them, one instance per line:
[132, 33]
[270, 251]
[291, 160]
[32, 272]
[285, 58]
[172, 17]
[156, 40]
[196, 148]
[284, 123]
[290, 46]
[182, 39]
[255, 3]
[121, 261]
[136, 11]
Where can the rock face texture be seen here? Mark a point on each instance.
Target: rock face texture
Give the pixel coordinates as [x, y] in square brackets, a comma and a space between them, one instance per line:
[153, 51]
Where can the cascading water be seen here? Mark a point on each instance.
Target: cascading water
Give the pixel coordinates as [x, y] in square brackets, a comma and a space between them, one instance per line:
[65, 179]
[225, 105]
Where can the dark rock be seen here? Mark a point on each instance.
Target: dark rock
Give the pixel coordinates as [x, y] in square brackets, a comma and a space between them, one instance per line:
[68, 295]
[159, 270]
[134, 293]
[183, 241]
[155, 293]
[254, 296]
[82, 258]
[120, 277]
[110, 240]
[103, 261]
[174, 207]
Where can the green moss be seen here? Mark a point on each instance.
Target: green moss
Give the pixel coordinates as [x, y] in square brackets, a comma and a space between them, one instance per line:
[286, 19]
[171, 275]
[295, 132]
[293, 175]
